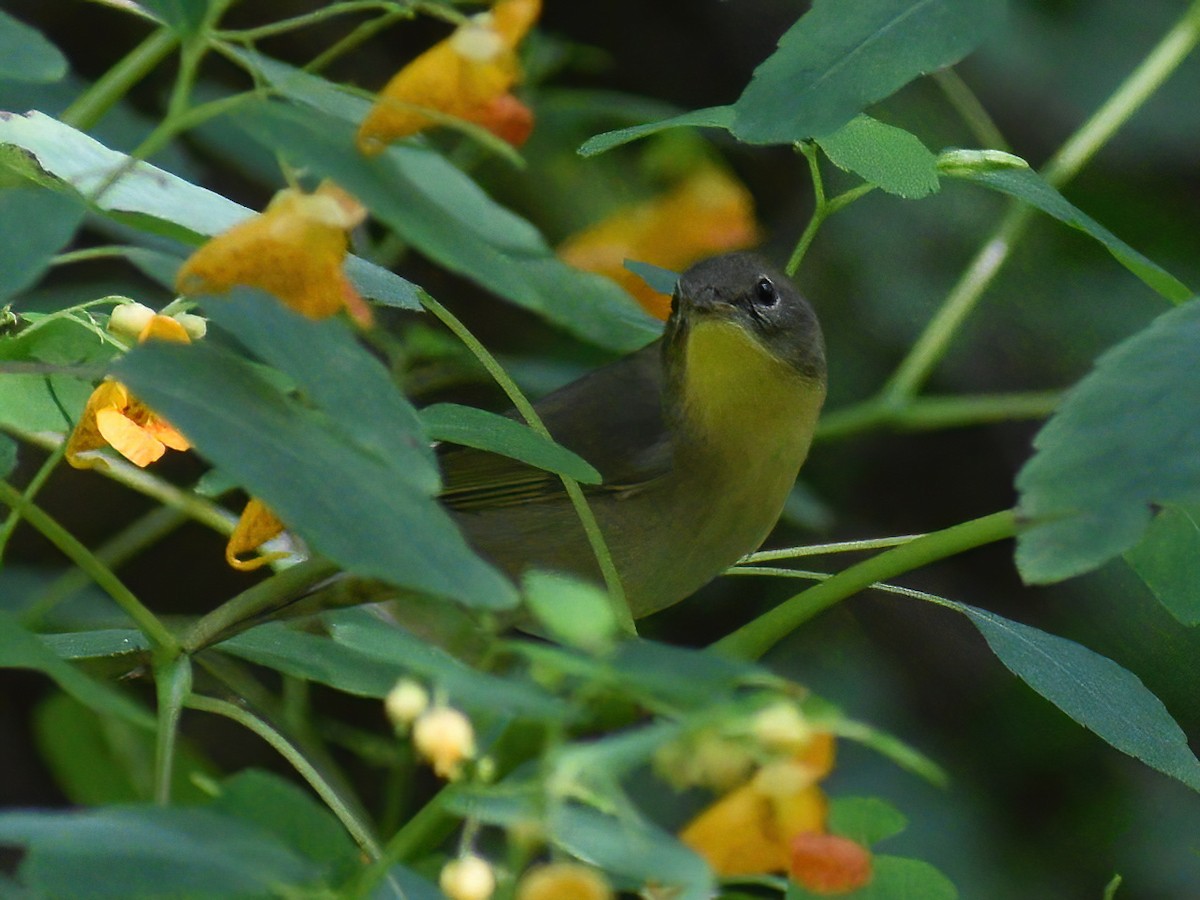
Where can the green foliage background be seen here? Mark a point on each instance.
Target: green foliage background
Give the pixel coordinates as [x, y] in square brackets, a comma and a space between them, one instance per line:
[1036, 806]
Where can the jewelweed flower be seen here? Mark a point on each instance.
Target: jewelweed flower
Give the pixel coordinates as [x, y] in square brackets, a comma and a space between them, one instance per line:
[829, 864]
[113, 417]
[294, 249]
[708, 212]
[255, 527]
[563, 881]
[469, 75]
[749, 830]
[444, 737]
[469, 877]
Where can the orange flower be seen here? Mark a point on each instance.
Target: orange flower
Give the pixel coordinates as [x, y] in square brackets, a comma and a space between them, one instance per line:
[256, 526]
[749, 830]
[294, 250]
[829, 864]
[708, 212]
[469, 75]
[114, 418]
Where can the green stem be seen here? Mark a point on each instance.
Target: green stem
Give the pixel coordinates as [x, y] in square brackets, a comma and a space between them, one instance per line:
[355, 38]
[932, 412]
[283, 26]
[120, 548]
[173, 682]
[972, 112]
[268, 595]
[358, 830]
[159, 636]
[755, 638]
[31, 491]
[823, 549]
[90, 106]
[174, 125]
[591, 528]
[933, 343]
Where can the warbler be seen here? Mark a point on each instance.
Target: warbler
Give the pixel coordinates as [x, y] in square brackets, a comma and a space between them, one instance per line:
[698, 436]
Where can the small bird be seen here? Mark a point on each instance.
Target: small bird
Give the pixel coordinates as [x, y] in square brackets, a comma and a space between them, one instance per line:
[698, 436]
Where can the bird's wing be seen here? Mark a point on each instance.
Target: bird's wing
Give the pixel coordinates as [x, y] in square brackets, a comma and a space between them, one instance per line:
[612, 418]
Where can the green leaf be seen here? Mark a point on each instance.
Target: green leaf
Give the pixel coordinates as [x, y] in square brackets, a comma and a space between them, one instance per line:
[865, 820]
[149, 198]
[8, 455]
[660, 279]
[573, 611]
[355, 506]
[26, 55]
[891, 158]
[105, 642]
[712, 117]
[893, 878]
[34, 225]
[440, 211]
[184, 16]
[838, 59]
[1094, 691]
[144, 852]
[102, 759]
[1168, 559]
[21, 649]
[483, 430]
[42, 402]
[1124, 439]
[1025, 184]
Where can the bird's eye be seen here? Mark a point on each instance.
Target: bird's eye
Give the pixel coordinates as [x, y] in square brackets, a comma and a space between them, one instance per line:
[765, 293]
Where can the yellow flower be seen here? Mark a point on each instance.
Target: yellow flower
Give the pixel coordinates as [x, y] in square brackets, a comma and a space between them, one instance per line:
[294, 250]
[469, 877]
[708, 212]
[563, 881]
[256, 526]
[444, 737]
[115, 418]
[469, 75]
[749, 830]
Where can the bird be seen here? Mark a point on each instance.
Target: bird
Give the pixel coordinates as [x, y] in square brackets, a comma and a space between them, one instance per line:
[698, 437]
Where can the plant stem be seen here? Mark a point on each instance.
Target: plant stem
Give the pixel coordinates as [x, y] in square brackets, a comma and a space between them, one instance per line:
[755, 638]
[173, 682]
[972, 112]
[930, 412]
[31, 490]
[283, 26]
[357, 829]
[159, 636]
[90, 106]
[612, 579]
[822, 549]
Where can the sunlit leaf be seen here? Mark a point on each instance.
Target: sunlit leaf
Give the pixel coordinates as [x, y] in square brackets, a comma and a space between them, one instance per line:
[572, 611]
[1124, 439]
[1168, 559]
[26, 55]
[893, 159]
[1093, 690]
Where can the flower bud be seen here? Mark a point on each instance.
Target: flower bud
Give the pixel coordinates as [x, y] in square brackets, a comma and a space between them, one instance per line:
[405, 702]
[469, 877]
[195, 326]
[128, 319]
[563, 881]
[445, 738]
[781, 727]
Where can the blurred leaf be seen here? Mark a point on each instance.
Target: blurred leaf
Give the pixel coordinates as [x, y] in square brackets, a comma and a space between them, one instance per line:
[1168, 559]
[35, 224]
[26, 55]
[356, 507]
[573, 611]
[42, 402]
[291, 815]
[8, 455]
[184, 16]
[660, 279]
[865, 820]
[631, 847]
[834, 62]
[510, 695]
[61, 340]
[21, 649]
[1126, 437]
[150, 852]
[441, 212]
[680, 675]
[1094, 691]
[893, 878]
[1026, 184]
[891, 158]
[102, 759]
[152, 200]
[99, 643]
[484, 430]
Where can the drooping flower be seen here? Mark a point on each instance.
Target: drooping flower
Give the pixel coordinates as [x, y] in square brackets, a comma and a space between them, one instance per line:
[113, 417]
[469, 75]
[294, 249]
[255, 527]
[708, 212]
[749, 830]
[444, 737]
